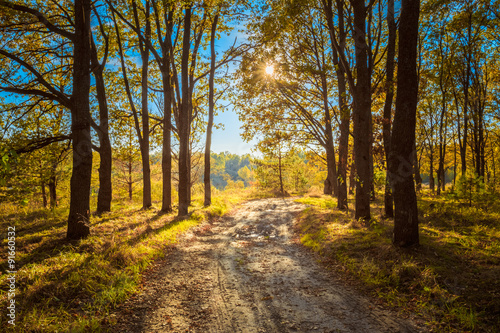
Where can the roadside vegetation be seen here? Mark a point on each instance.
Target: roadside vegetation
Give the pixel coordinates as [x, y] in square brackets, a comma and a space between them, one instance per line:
[450, 280]
[70, 286]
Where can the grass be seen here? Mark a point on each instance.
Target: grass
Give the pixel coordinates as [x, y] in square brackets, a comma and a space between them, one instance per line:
[451, 280]
[64, 286]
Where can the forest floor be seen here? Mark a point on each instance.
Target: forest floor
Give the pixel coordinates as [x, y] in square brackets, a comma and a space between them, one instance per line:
[247, 272]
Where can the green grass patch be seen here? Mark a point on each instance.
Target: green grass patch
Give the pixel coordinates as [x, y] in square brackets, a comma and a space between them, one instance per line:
[67, 286]
[451, 280]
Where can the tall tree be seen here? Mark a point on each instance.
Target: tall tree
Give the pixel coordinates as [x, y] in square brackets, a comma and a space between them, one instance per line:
[78, 103]
[389, 97]
[403, 132]
[144, 51]
[102, 129]
[183, 126]
[362, 112]
[211, 83]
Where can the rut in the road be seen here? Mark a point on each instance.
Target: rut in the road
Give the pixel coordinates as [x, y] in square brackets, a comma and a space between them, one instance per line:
[244, 274]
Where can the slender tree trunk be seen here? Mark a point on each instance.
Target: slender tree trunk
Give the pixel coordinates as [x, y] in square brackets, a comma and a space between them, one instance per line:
[372, 168]
[330, 181]
[211, 85]
[143, 137]
[454, 162]
[190, 174]
[466, 84]
[52, 191]
[44, 194]
[362, 113]
[341, 85]
[331, 167]
[481, 159]
[442, 119]
[431, 167]
[403, 132]
[389, 97]
[416, 168]
[130, 183]
[184, 126]
[282, 190]
[166, 161]
[105, 189]
[79, 211]
[352, 178]
[493, 165]
[146, 168]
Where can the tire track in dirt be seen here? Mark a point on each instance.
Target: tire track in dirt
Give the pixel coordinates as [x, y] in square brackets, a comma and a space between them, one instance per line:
[243, 273]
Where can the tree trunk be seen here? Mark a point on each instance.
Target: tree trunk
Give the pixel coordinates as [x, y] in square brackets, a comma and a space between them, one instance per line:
[454, 162]
[341, 179]
[44, 194]
[403, 132]
[144, 143]
[282, 190]
[352, 178]
[184, 126]
[105, 189]
[331, 167]
[416, 168]
[362, 113]
[431, 167]
[52, 191]
[330, 181]
[389, 97]
[130, 183]
[466, 84]
[143, 137]
[166, 161]
[208, 143]
[79, 210]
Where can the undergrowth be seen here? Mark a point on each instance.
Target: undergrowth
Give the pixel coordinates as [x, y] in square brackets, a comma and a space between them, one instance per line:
[450, 280]
[64, 286]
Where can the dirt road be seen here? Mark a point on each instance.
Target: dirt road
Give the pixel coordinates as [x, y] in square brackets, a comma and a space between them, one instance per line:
[243, 273]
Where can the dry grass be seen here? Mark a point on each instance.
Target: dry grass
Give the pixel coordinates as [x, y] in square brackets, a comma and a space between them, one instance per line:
[71, 286]
[451, 280]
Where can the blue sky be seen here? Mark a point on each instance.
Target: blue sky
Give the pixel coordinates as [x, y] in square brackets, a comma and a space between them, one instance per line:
[228, 138]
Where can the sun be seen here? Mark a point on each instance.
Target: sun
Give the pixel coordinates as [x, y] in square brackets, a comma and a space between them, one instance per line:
[269, 69]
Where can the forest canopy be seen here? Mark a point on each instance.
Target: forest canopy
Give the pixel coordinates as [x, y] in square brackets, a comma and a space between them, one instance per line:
[111, 97]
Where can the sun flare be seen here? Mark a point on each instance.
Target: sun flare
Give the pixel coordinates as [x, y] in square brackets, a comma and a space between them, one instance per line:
[269, 69]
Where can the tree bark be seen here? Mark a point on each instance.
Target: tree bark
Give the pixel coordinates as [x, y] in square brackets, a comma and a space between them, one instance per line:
[52, 191]
[431, 167]
[130, 182]
[331, 167]
[389, 97]
[345, 117]
[184, 119]
[79, 211]
[282, 190]
[144, 143]
[352, 178]
[403, 133]
[44, 194]
[105, 188]
[166, 161]
[362, 113]
[466, 83]
[208, 143]
[164, 63]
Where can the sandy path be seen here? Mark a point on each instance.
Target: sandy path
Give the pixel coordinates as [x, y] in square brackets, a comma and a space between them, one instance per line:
[243, 273]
